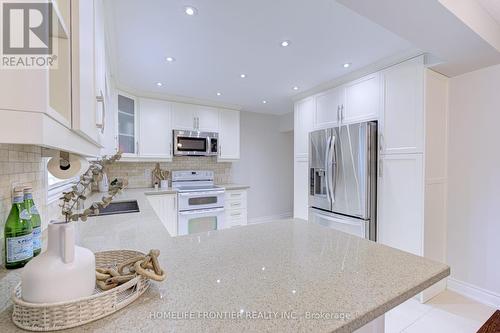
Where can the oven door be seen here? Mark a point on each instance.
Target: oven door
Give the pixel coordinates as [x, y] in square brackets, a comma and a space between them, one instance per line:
[201, 200]
[196, 221]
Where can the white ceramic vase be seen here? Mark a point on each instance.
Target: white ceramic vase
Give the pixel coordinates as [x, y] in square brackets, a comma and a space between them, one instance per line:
[62, 273]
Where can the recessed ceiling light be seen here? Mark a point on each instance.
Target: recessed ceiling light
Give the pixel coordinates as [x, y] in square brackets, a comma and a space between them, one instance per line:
[243, 76]
[285, 43]
[189, 10]
[295, 88]
[264, 102]
[219, 93]
[347, 64]
[159, 84]
[170, 59]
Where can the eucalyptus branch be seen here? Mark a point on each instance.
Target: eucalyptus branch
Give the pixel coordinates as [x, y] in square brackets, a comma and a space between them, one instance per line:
[93, 173]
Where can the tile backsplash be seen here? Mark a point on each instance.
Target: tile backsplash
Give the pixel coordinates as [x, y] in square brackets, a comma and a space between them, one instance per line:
[23, 165]
[139, 174]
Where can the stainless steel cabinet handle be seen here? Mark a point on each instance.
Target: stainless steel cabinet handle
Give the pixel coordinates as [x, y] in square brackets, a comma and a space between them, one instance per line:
[380, 169]
[100, 99]
[220, 150]
[137, 147]
[342, 113]
[381, 143]
[338, 114]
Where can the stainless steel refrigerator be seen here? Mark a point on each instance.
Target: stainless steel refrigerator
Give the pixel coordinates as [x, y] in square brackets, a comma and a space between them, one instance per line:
[343, 178]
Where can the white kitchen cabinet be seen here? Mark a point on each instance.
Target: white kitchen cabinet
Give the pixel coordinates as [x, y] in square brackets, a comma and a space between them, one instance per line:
[362, 100]
[300, 189]
[57, 102]
[127, 115]
[84, 119]
[402, 117]
[229, 135]
[195, 117]
[155, 129]
[207, 118]
[183, 116]
[303, 124]
[235, 208]
[101, 86]
[165, 207]
[328, 106]
[412, 187]
[400, 201]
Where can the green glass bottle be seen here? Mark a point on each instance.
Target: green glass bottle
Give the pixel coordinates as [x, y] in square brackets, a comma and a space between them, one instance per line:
[36, 222]
[18, 234]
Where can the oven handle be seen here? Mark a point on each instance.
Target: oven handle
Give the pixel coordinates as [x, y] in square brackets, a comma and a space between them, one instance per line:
[197, 194]
[201, 211]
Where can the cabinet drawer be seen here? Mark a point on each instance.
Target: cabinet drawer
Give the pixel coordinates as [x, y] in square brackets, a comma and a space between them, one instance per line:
[236, 217]
[236, 204]
[236, 195]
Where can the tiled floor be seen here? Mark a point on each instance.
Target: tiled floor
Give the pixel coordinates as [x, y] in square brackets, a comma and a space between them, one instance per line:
[446, 313]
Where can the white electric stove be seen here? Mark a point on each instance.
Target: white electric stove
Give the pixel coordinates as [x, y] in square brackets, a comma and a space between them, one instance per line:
[200, 202]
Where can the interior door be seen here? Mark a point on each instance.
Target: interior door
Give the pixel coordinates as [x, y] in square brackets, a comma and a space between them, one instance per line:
[350, 192]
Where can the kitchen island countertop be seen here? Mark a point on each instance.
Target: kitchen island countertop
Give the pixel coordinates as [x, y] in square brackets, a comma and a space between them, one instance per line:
[280, 276]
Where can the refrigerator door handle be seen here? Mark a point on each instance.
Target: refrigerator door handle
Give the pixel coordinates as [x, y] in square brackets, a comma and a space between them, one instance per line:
[332, 168]
[327, 168]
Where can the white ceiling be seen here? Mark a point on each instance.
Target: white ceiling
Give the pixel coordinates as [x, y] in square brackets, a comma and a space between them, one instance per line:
[230, 37]
[458, 33]
[492, 7]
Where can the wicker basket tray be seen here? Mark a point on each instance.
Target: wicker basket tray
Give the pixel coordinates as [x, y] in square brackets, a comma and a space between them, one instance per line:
[57, 316]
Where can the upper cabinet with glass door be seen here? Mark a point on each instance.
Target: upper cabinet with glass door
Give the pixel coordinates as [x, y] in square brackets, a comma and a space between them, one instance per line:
[127, 124]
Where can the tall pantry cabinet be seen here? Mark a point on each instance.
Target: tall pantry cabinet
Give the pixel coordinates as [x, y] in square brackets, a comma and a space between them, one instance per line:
[412, 162]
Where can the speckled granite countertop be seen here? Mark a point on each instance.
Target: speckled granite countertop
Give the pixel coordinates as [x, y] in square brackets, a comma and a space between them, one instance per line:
[283, 276]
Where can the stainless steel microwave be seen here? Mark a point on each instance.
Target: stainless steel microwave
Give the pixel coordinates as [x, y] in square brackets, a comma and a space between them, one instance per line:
[194, 143]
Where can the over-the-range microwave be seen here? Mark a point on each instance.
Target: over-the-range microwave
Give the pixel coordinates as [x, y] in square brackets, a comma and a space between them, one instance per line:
[194, 143]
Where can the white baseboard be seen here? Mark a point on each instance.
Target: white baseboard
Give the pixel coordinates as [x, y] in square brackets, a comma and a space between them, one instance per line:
[264, 219]
[476, 293]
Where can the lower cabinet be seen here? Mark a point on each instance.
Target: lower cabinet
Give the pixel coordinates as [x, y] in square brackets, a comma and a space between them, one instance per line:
[401, 202]
[235, 206]
[300, 188]
[165, 206]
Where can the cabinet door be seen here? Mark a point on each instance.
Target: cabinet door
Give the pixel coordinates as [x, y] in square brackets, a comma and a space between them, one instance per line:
[402, 117]
[84, 119]
[100, 69]
[170, 206]
[300, 189]
[155, 129]
[400, 202]
[229, 135]
[127, 124]
[362, 100]
[327, 108]
[165, 207]
[303, 124]
[183, 116]
[207, 119]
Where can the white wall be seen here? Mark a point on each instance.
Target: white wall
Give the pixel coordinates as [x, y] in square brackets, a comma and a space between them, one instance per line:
[266, 164]
[474, 179]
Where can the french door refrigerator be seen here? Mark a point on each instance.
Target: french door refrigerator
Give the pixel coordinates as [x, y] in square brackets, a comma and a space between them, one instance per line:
[343, 178]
